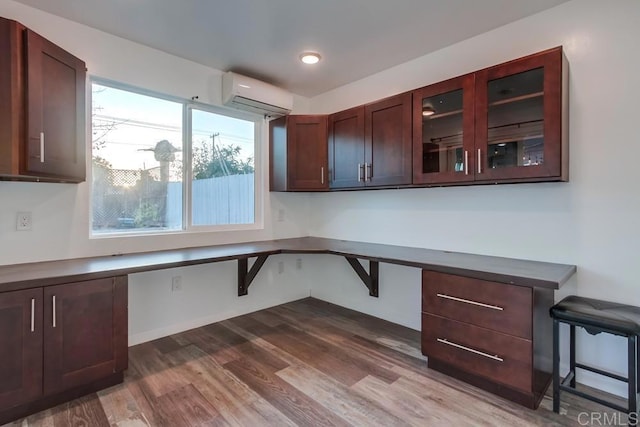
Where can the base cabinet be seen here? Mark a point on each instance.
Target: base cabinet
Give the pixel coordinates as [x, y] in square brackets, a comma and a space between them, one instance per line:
[59, 342]
[20, 347]
[495, 336]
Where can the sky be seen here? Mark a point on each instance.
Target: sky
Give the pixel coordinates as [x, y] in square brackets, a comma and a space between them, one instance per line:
[126, 124]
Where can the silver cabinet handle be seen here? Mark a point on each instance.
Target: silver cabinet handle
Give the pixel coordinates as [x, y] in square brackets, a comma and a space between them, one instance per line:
[54, 311]
[468, 301]
[41, 147]
[33, 314]
[322, 175]
[359, 172]
[367, 172]
[466, 162]
[479, 160]
[481, 353]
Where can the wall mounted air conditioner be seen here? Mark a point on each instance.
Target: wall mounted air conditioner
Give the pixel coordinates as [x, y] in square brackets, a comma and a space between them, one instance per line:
[253, 95]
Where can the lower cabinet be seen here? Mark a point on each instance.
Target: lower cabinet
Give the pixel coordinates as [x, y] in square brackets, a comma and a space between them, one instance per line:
[59, 342]
[495, 336]
[20, 347]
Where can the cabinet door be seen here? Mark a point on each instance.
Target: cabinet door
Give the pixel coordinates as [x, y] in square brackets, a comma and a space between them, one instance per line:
[11, 97]
[85, 332]
[388, 141]
[307, 153]
[55, 93]
[443, 132]
[519, 119]
[346, 148]
[20, 347]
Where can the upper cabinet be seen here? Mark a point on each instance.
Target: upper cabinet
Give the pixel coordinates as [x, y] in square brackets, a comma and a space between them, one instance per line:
[387, 139]
[443, 132]
[42, 104]
[298, 153]
[521, 120]
[370, 145]
[502, 124]
[346, 148]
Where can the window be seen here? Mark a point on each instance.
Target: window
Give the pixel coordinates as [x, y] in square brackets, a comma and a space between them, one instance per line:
[166, 165]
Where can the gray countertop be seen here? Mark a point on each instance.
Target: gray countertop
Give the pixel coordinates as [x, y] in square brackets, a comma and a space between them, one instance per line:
[505, 270]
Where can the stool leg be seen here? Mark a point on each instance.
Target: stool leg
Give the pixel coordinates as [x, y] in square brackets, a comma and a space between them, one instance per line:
[633, 378]
[572, 355]
[556, 366]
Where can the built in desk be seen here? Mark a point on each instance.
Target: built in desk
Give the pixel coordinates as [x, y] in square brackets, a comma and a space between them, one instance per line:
[484, 319]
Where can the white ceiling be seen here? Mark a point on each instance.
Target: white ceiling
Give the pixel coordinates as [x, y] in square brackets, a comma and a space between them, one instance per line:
[263, 38]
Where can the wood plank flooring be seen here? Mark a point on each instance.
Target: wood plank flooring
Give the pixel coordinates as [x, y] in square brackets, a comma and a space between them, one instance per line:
[306, 363]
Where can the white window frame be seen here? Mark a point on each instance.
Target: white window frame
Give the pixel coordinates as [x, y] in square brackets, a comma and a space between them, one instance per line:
[187, 174]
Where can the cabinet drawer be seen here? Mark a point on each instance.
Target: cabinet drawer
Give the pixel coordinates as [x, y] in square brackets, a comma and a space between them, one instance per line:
[497, 306]
[498, 357]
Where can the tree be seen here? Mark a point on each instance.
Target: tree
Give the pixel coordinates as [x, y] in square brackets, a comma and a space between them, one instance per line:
[210, 162]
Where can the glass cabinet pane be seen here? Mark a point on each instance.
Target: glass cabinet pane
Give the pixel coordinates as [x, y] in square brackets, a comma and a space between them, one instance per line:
[516, 120]
[442, 133]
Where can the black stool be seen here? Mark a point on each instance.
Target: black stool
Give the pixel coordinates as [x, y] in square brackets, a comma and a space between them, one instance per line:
[596, 316]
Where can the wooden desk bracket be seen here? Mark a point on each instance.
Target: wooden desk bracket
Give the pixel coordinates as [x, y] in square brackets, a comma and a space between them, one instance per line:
[370, 279]
[246, 275]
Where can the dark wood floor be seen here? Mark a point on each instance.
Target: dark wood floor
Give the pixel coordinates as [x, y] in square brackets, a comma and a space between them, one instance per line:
[306, 363]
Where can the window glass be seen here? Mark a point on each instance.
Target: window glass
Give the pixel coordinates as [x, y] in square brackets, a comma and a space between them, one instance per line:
[222, 190]
[142, 181]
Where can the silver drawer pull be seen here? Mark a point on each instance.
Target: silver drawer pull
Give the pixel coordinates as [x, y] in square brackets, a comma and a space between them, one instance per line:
[490, 356]
[468, 301]
[53, 304]
[41, 147]
[33, 314]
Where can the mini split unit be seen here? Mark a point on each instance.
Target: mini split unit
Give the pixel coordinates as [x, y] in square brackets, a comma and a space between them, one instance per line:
[249, 94]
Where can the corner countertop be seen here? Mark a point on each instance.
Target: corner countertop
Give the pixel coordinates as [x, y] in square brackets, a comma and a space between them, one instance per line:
[499, 269]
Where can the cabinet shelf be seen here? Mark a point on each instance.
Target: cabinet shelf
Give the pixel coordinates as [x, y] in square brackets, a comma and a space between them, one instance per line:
[441, 115]
[457, 137]
[517, 98]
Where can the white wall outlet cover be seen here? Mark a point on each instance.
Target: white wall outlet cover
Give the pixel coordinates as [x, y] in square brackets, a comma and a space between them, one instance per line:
[24, 221]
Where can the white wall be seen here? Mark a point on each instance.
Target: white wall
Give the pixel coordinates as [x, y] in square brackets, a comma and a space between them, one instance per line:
[61, 211]
[592, 221]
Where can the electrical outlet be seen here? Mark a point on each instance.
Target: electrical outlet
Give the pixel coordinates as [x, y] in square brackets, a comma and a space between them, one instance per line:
[23, 221]
[280, 215]
[280, 267]
[299, 264]
[176, 284]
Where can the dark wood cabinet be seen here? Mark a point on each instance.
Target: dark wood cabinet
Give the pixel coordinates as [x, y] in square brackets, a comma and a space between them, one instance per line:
[20, 347]
[388, 141]
[521, 120]
[60, 342]
[505, 123]
[443, 132]
[298, 157]
[495, 336]
[84, 339]
[42, 101]
[346, 148]
[370, 145]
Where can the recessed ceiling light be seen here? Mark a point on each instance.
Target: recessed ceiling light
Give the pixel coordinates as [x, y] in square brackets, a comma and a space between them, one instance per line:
[310, 57]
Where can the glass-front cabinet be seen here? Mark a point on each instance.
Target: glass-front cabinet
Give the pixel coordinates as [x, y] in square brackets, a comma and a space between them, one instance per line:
[501, 124]
[443, 134]
[519, 126]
